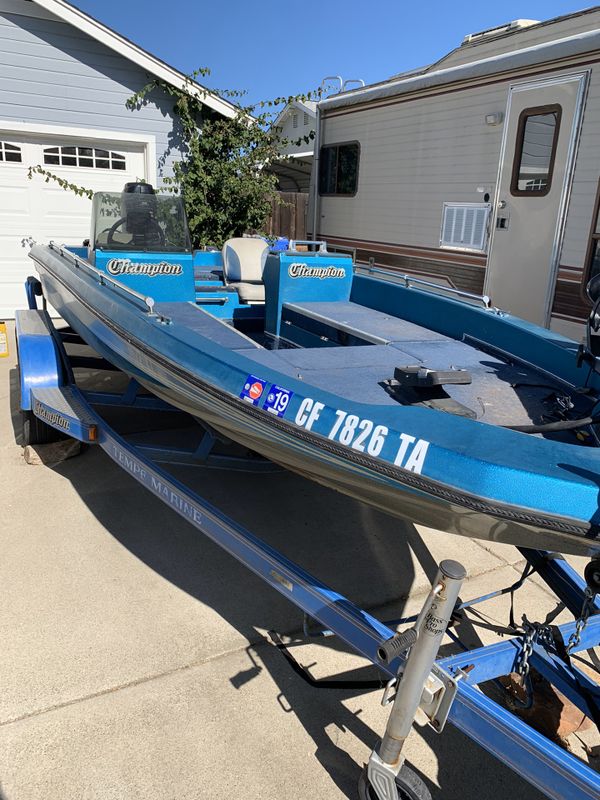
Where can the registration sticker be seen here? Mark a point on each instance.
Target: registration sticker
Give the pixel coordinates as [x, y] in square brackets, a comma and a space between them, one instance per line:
[253, 389]
[277, 400]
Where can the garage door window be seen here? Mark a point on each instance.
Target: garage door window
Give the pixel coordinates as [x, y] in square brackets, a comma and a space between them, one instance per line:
[10, 152]
[73, 156]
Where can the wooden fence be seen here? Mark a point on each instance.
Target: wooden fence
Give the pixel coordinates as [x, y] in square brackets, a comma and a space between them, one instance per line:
[288, 216]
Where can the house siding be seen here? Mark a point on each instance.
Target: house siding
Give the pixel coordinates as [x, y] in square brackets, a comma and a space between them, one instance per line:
[52, 74]
[293, 134]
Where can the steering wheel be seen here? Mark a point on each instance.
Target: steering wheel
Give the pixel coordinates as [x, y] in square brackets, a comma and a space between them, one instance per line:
[153, 227]
[113, 229]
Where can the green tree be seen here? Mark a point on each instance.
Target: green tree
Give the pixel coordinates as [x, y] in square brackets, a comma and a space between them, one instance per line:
[223, 173]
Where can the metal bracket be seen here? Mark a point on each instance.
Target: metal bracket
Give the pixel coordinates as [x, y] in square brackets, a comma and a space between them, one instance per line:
[438, 695]
[437, 698]
[382, 776]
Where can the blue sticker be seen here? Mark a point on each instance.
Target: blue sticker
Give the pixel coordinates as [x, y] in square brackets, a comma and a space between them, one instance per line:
[253, 389]
[278, 399]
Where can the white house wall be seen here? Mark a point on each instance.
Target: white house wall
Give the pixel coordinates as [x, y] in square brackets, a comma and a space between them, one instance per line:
[289, 132]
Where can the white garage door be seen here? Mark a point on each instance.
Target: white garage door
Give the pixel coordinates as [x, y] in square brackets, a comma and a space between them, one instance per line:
[46, 211]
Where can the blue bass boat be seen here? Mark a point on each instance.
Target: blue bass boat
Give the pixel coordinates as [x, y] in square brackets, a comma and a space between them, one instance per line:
[426, 403]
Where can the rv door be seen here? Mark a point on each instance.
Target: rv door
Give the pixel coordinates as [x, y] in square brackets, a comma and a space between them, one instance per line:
[534, 177]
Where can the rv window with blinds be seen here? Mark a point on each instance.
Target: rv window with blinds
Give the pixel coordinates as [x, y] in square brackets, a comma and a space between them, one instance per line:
[535, 150]
[338, 169]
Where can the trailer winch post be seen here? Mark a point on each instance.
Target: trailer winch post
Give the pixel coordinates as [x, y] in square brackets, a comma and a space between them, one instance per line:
[386, 759]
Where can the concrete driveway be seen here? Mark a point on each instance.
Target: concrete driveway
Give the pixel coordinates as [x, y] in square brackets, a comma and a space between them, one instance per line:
[133, 657]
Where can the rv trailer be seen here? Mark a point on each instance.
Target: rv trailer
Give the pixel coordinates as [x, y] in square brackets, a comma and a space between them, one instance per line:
[480, 172]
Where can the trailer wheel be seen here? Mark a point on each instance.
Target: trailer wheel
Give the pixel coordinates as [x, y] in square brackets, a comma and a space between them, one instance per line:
[35, 431]
[408, 785]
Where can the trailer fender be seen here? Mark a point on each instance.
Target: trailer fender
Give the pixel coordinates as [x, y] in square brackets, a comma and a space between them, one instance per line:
[38, 354]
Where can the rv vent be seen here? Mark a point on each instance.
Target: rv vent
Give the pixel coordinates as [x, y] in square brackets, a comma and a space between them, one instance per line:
[465, 226]
[515, 25]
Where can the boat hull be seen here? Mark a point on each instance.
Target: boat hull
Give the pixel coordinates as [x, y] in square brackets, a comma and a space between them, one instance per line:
[400, 494]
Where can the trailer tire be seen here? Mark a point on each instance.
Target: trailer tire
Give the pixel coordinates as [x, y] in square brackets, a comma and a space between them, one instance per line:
[408, 785]
[35, 431]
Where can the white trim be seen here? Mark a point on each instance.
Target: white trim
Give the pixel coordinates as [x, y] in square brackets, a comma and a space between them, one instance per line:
[109, 38]
[288, 108]
[115, 138]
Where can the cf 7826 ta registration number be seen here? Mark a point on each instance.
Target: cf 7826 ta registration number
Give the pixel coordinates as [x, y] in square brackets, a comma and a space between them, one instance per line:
[364, 435]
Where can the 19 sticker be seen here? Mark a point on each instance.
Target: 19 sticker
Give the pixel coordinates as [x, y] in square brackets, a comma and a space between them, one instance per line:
[277, 400]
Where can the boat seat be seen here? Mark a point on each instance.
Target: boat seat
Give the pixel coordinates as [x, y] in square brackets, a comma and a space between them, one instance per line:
[243, 264]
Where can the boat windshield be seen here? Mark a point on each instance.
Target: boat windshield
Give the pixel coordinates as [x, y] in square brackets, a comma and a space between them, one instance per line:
[139, 222]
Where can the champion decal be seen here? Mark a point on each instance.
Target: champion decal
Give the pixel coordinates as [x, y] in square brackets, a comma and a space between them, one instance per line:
[125, 266]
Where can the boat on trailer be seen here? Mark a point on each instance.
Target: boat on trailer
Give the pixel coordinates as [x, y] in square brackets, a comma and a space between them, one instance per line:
[196, 352]
[427, 403]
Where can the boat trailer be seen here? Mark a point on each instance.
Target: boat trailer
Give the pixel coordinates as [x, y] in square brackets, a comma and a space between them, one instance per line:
[405, 651]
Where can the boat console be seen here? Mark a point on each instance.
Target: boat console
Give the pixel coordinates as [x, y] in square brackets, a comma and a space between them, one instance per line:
[141, 239]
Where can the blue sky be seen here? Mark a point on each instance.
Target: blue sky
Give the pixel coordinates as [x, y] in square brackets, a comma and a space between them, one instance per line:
[278, 48]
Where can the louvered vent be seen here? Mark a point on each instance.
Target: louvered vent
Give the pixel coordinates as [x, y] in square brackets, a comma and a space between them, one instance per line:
[465, 226]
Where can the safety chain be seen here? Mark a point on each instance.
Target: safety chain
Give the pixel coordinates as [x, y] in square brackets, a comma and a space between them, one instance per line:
[534, 632]
[581, 620]
[526, 651]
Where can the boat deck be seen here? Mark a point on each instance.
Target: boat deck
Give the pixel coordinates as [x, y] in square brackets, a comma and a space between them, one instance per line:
[500, 393]
[359, 322]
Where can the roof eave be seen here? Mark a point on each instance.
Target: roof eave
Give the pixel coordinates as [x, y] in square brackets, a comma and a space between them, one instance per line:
[136, 54]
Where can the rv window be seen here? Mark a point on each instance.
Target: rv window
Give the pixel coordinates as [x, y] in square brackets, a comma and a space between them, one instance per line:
[537, 135]
[338, 168]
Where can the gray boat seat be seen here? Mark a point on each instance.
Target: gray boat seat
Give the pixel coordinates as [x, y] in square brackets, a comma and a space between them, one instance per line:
[243, 264]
